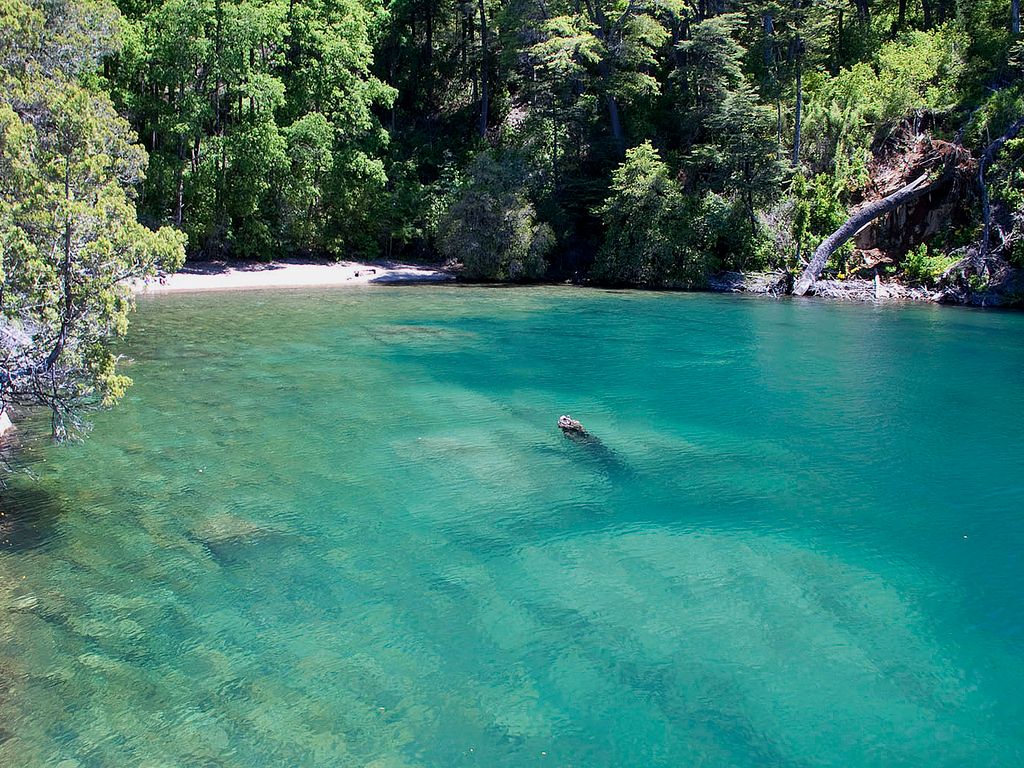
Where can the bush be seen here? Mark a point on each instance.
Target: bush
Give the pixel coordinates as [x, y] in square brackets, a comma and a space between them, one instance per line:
[818, 212]
[920, 70]
[920, 267]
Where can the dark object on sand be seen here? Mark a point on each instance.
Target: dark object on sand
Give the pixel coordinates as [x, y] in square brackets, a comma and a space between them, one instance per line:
[571, 428]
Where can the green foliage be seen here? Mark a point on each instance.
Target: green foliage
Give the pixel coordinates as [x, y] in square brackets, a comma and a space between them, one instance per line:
[310, 144]
[718, 234]
[920, 70]
[68, 227]
[492, 228]
[345, 127]
[978, 283]
[260, 123]
[363, 128]
[920, 266]
[647, 241]
[818, 212]
[915, 72]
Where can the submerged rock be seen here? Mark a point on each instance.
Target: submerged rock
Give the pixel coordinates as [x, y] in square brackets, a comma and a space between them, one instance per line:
[571, 428]
[231, 540]
[591, 446]
[227, 528]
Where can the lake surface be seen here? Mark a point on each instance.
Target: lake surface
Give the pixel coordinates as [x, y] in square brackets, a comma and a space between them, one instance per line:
[340, 528]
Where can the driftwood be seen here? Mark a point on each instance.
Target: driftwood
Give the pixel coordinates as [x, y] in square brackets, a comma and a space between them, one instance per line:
[860, 219]
[871, 290]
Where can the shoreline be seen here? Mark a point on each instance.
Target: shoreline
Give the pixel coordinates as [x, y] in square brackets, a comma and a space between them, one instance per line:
[286, 273]
[226, 276]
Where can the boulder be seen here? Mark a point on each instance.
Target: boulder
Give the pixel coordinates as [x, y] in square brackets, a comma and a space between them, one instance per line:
[571, 428]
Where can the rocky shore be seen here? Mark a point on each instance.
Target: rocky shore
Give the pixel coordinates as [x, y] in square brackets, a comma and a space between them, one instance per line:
[1004, 289]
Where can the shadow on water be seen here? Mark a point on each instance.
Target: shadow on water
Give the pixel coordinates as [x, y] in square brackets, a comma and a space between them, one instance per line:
[594, 452]
[28, 515]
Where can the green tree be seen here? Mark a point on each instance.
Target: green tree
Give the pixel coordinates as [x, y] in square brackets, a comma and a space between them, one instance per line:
[492, 227]
[738, 148]
[68, 224]
[310, 144]
[220, 91]
[645, 234]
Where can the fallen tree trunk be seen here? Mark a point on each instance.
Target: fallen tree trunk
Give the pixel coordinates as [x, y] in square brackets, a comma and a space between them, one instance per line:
[955, 162]
[915, 189]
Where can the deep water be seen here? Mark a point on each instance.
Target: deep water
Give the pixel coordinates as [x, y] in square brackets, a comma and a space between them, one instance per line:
[340, 528]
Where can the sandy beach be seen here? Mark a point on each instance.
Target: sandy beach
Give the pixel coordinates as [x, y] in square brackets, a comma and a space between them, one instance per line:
[221, 276]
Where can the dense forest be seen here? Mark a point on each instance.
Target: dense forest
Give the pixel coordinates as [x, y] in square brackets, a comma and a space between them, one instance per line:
[635, 141]
[628, 142]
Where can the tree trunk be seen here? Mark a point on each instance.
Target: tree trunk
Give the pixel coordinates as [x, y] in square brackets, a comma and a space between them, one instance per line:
[857, 222]
[837, 56]
[778, 126]
[769, 41]
[1015, 18]
[912, 191]
[983, 163]
[799, 104]
[597, 17]
[863, 10]
[179, 183]
[484, 60]
[616, 124]
[772, 70]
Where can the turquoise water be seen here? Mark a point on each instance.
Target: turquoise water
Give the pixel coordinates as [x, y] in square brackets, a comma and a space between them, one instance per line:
[341, 529]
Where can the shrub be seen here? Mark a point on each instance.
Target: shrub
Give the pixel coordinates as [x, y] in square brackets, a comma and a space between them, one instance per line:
[921, 267]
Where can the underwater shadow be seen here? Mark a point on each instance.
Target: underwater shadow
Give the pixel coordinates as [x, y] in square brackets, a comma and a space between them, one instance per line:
[28, 516]
[592, 451]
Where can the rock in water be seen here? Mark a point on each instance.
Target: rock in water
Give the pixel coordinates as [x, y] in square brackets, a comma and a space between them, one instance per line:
[571, 428]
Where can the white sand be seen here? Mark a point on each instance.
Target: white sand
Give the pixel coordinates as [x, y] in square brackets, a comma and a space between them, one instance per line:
[218, 276]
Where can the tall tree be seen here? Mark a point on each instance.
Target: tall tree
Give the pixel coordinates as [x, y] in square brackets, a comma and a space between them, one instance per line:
[68, 223]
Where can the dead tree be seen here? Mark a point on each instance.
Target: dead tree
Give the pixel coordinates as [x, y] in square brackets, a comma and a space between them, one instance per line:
[983, 163]
[955, 163]
[485, 56]
[860, 219]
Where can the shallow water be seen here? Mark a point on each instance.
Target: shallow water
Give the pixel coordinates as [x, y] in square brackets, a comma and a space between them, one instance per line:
[341, 529]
